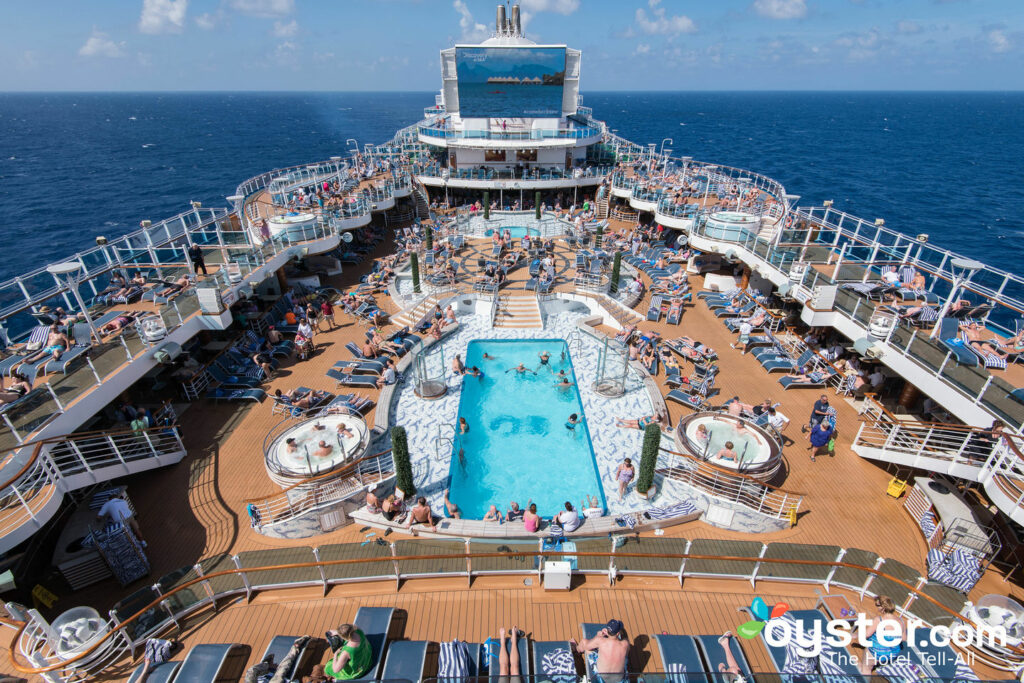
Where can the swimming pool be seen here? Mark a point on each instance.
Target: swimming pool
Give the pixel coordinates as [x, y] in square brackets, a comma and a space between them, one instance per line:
[518, 447]
[517, 232]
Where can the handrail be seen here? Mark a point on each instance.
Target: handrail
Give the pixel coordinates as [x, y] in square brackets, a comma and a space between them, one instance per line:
[728, 472]
[66, 437]
[332, 474]
[22, 668]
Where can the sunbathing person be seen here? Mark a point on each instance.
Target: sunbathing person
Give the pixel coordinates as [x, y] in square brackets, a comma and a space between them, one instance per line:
[806, 375]
[18, 388]
[56, 344]
[119, 323]
[984, 347]
[351, 653]
[380, 343]
[421, 514]
[1014, 344]
[509, 668]
[174, 286]
[606, 652]
[639, 423]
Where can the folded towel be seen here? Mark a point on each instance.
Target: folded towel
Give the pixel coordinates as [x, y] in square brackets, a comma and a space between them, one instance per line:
[453, 660]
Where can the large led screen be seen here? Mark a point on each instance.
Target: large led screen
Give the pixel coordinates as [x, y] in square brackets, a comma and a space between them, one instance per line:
[496, 82]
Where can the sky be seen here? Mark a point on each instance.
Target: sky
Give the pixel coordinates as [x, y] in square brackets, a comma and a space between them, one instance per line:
[392, 45]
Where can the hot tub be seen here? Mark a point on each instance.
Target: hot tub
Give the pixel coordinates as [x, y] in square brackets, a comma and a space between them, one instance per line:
[286, 465]
[758, 453]
[292, 227]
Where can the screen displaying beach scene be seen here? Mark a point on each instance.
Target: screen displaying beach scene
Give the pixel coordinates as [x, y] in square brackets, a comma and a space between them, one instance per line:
[497, 82]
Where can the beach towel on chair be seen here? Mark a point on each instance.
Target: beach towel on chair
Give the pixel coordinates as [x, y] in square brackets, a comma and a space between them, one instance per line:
[676, 673]
[558, 665]
[669, 511]
[900, 668]
[453, 660]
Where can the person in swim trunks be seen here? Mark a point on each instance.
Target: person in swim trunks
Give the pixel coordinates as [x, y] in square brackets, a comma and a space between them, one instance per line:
[544, 358]
[56, 344]
[606, 652]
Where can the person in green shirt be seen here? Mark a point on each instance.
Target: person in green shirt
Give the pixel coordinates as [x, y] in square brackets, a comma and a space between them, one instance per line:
[352, 656]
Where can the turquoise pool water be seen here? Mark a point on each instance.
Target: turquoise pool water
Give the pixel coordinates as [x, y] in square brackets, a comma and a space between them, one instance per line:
[517, 446]
[518, 232]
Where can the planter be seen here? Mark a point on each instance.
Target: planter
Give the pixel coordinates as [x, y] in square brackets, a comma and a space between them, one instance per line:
[649, 494]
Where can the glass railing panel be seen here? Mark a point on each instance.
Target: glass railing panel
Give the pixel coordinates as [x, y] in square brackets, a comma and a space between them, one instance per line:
[134, 343]
[32, 411]
[1000, 399]
[900, 337]
[846, 300]
[927, 352]
[864, 312]
[969, 379]
[850, 272]
[78, 380]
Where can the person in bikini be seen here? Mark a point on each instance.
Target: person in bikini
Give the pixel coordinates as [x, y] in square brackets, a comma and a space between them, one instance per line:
[19, 388]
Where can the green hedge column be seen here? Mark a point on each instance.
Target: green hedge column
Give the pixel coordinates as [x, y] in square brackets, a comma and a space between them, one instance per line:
[414, 261]
[428, 238]
[648, 457]
[403, 469]
[597, 237]
[616, 267]
[487, 205]
[536, 204]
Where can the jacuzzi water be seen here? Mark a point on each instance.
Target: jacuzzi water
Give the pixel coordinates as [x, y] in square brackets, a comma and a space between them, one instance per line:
[517, 232]
[518, 447]
[749, 447]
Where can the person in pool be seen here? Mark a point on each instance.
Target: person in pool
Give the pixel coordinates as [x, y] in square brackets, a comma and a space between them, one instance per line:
[450, 508]
[475, 371]
[463, 425]
[563, 384]
[488, 356]
[544, 358]
[344, 431]
[571, 423]
[494, 515]
[727, 453]
[520, 370]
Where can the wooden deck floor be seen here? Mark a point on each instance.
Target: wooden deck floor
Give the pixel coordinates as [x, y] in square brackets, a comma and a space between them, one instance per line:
[196, 509]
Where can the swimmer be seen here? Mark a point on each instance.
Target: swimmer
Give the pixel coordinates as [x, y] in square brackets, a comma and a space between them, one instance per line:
[344, 431]
[564, 384]
[520, 370]
[544, 358]
[290, 445]
[463, 425]
[727, 453]
[323, 450]
[488, 356]
[571, 423]
[475, 371]
[450, 508]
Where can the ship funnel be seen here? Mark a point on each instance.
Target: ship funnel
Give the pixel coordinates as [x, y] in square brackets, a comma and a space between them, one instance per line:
[517, 28]
[500, 21]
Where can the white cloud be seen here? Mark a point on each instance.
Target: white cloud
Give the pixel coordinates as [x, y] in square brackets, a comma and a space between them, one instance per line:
[642, 49]
[99, 44]
[998, 41]
[781, 9]
[162, 16]
[661, 24]
[283, 30]
[471, 30]
[208, 21]
[263, 8]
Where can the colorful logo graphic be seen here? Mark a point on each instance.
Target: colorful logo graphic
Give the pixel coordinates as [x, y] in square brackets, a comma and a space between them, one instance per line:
[762, 613]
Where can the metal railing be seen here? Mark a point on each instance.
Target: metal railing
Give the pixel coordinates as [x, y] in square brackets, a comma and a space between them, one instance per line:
[580, 133]
[189, 590]
[55, 466]
[733, 487]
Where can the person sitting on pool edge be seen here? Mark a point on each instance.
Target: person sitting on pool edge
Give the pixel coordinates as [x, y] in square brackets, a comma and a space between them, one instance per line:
[515, 513]
[421, 514]
[568, 518]
[458, 368]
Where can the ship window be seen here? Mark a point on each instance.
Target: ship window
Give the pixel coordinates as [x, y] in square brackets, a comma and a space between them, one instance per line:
[494, 155]
[526, 155]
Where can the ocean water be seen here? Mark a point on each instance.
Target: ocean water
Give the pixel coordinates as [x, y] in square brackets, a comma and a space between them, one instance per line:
[74, 166]
[518, 447]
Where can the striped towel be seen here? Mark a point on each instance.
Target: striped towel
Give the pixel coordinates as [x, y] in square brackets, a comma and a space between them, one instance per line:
[102, 497]
[927, 523]
[676, 510]
[959, 569]
[453, 660]
[676, 673]
[558, 665]
[991, 359]
[627, 520]
[964, 672]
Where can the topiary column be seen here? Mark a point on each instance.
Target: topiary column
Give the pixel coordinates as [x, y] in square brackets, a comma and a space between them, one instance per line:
[403, 468]
[616, 268]
[414, 261]
[487, 205]
[648, 458]
[536, 204]
[428, 238]
[597, 237]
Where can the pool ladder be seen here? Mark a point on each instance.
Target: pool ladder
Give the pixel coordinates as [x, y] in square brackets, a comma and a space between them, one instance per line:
[444, 445]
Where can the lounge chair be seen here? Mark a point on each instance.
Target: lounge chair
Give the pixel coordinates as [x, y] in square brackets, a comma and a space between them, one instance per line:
[374, 622]
[777, 364]
[405, 661]
[818, 379]
[223, 394]
[372, 367]
[675, 311]
[490, 655]
[161, 673]
[552, 660]
[740, 312]
[711, 651]
[942, 660]
[991, 360]
[232, 381]
[654, 310]
[279, 647]
[354, 380]
[949, 335]
[679, 654]
[205, 663]
[830, 662]
[590, 630]
[693, 400]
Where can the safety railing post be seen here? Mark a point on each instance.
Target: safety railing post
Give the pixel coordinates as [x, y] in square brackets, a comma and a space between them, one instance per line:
[245, 577]
[832, 572]
[206, 583]
[115, 449]
[60, 406]
[14, 432]
[94, 372]
[757, 565]
[871, 577]
[320, 568]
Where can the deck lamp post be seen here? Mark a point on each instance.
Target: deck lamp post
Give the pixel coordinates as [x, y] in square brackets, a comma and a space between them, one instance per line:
[961, 270]
[67, 274]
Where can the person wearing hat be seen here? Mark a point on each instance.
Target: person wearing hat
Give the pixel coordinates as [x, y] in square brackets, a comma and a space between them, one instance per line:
[606, 652]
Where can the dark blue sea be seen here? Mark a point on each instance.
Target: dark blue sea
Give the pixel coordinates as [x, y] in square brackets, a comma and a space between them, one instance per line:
[74, 166]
